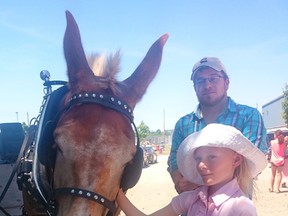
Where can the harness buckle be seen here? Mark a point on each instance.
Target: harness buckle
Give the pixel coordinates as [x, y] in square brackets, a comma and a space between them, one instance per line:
[24, 173]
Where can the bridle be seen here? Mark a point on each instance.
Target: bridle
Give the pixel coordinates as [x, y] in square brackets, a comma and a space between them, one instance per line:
[30, 167]
[108, 101]
[89, 195]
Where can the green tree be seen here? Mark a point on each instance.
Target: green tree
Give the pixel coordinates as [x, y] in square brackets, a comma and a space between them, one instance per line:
[143, 131]
[285, 104]
[158, 132]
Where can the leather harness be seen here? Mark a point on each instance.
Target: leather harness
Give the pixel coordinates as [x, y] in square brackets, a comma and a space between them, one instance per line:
[33, 163]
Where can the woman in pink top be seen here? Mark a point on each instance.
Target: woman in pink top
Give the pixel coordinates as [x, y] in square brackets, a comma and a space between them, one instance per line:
[285, 167]
[226, 163]
[277, 159]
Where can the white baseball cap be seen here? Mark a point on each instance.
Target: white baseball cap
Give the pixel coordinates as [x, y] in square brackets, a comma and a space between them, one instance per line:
[218, 135]
[211, 62]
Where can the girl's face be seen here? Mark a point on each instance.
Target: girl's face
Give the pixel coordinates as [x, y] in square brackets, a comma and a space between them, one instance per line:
[216, 165]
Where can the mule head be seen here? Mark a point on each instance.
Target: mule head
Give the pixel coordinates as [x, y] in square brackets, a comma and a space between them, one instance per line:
[95, 142]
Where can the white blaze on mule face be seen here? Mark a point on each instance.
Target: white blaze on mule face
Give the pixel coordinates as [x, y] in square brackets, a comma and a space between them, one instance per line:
[94, 142]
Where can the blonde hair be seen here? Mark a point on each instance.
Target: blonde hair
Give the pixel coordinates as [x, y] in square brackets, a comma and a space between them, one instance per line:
[244, 178]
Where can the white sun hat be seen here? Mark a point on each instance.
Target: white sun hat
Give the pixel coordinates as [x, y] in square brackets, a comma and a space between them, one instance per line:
[218, 135]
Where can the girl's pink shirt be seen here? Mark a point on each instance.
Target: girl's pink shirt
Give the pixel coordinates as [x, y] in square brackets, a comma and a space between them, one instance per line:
[277, 153]
[227, 201]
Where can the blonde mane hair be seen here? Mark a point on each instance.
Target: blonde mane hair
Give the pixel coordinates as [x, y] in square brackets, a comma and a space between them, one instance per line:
[106, 67]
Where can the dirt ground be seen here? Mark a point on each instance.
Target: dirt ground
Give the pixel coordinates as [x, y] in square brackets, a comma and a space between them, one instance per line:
[155, 189]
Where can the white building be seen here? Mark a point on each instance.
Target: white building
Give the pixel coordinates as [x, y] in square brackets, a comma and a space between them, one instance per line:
[272, 113]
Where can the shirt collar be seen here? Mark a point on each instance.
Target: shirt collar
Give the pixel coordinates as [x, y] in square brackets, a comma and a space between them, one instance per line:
[231, 107]
[225, 192]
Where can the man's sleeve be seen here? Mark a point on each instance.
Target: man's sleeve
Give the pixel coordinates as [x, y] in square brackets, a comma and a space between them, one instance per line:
[176, 140]
[255, 130]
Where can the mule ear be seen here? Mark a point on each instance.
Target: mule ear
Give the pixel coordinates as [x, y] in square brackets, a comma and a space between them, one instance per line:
[135, 86]
[79, 72]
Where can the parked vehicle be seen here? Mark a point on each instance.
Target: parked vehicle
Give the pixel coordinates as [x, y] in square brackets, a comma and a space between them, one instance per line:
[11, 138]
[270, 132]
[145, 159]
[151, 154]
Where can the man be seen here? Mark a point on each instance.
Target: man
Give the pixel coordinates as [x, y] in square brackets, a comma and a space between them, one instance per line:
[211, 83]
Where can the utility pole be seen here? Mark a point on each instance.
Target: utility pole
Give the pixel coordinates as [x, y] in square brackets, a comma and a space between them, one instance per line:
[164, 126]
[17, 119]
[28, 120]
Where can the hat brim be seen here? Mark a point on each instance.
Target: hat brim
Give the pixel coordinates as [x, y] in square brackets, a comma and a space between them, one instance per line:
[217, 135]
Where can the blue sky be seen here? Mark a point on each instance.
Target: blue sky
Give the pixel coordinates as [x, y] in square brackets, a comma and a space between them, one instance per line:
[249, 36]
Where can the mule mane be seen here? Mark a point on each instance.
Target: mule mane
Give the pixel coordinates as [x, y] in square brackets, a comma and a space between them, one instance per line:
[106, 67]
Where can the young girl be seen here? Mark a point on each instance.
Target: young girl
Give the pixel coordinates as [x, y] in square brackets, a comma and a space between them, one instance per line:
[223, 162]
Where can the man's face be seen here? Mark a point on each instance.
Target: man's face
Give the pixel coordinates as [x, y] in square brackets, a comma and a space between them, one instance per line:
[210, 86]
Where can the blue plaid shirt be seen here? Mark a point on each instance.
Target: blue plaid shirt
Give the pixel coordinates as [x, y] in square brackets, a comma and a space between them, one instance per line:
[246, 119]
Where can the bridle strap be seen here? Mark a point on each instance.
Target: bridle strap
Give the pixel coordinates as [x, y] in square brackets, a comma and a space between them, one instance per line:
[87, 195]
[107, 101]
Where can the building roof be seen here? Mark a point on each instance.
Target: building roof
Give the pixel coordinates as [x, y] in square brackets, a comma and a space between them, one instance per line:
[273, 101]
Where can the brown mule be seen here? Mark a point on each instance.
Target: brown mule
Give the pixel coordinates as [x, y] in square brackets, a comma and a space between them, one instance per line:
[94, 142]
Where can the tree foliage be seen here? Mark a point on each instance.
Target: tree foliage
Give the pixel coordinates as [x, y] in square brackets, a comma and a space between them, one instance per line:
[158, 132]
[285, 105]
[143, 131]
